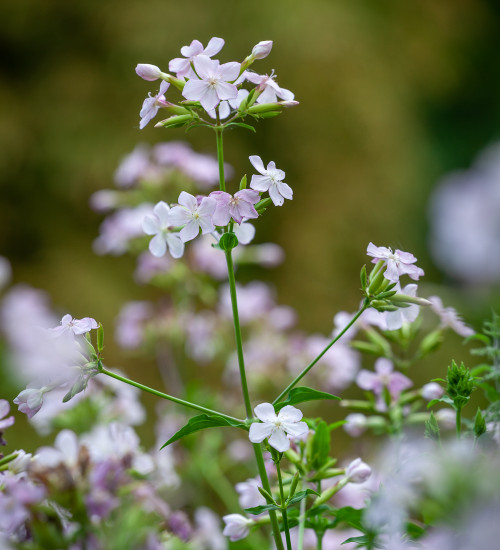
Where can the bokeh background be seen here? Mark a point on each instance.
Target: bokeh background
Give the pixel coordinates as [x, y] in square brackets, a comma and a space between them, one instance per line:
[393, 96]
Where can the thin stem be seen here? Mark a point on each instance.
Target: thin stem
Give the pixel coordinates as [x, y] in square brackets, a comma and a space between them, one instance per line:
[237, 333]
[302, 524]
[166, 396]
[283, 510]
[459, 422]
[220, 159]
[265, 485]
[366, 305]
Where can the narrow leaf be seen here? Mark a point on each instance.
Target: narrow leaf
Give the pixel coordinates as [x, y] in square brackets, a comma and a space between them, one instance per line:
[301, 495]
[302, 394]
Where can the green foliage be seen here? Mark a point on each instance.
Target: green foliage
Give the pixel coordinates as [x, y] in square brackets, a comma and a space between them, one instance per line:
[432, 428]
[318, 448]
[459, 384]
[302, 394]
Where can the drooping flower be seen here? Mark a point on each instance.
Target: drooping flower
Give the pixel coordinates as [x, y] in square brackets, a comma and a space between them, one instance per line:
[152, 104]
[396, 319]
[182, 66]
[398, 263]
[30, 400]
[267, 85]
[193, 215]
[358, 471]
[237, 526]
[214, 82]
[383, 377]
[449, 317]
[239, 206]
[276, 427]
[159, 225]
[74, 326]
[271, 180]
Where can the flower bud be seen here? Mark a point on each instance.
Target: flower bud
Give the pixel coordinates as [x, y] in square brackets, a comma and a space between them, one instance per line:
[358, 471]
[148, 72]
[355, 424]
[262, 108]
[174, 121]
[431, 391]
[262, 49]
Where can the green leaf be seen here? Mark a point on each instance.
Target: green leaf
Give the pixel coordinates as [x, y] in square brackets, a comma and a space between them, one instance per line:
[319, 447]
[363, 277]
[349, 515]
[256, 510]
[444, 399]
[364, 541]
[242, 125]
[201, 422]
[414, 531]
[479, 424]
[302, 394]
[301, 495]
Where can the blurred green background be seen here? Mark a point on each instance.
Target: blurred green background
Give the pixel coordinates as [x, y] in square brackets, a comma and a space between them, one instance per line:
[393, 94]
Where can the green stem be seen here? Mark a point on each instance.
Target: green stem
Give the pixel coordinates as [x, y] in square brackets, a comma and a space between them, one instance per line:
[237, 333]
[459, 422]
[166, 396]
[220, 158]
[302, 524]
[283, 509]
[265, 485]
[366, 305]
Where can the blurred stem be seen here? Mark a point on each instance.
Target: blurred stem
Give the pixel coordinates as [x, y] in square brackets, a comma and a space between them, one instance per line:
[166, 396]
[302, 524]
[220, 156]
[366, 305]
[283, 509]
[459, 422]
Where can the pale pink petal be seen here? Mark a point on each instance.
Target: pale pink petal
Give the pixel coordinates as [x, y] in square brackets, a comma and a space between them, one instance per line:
[224, 110]
[187, 200]
[285, 190]
[258, 432]
[206, 225]
[150, 225]
[285, 94]
[245, 210]
[178, 216]
[179, 65]
[267, 96]
[226, 90]
[230, 71]
[190, 231]
[279, 440]
[257, 163]
[207, 206]
[254, 77]
[195, 89]
[4, 408]
[384, 366]
[162, 210]
[214, 46]
[406, 257]
[367, 380]
[248, 195]
[392, 272]
[195, 48]
[260, 183]
[265, 412]
[205, 67]
[158, 246]
[397, 383]
[221, 215]
[277, 199]
[175, 245]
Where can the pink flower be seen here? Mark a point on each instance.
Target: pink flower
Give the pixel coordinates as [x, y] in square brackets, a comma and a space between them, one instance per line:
[4, 411]
[269, 88]
[182, 66]
[271, 180]
[358, 471]
[159, 225]
[262, 49]
[276, 427]
[74, 326]
[398, 262]
[213, 84]
[30, 400]
[449, 317]
[384, 377]
[237, 526]
[238, 207]
[356, 424]
[152, 104]
[193, 215]
[148, 72]
[431, 391]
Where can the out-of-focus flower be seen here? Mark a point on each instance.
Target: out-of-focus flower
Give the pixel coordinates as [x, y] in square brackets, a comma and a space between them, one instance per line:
[464, 221]
[30, 400]
[447, 418]
[4, 422]
[276, 427]
[213, 84]
[148, 72]
[239, 206]
[254, 300]
[398, 263]
[193, 215]
[431, 391]
[17, 496]
[271, 180]
[249, 495]
[74, 326]
[207, 530]
[384, 377]
[159, 226]
[237, 526]
[133, 167]
[267, 85]
[148, 266]
[182, 66]
[396, 319]
[152, 104]
[449, 317]
[262, 49]
[356, 424]
[129, 332]
[245, 232]
[358, 471]
[5, 272]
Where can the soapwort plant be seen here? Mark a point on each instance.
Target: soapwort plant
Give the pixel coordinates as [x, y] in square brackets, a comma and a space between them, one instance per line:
[195, 238]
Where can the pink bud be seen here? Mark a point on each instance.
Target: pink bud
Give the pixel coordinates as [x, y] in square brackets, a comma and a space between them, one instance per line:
[148, 72]
[431, 391]
[262, 49]
[358, 471]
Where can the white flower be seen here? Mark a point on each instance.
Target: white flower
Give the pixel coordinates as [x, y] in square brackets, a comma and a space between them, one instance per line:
[158, 225]
[276, 427]
[152, 104]
[358, 471]
[449, 317]
[396, 319]
[182, 66]
[237, 526]
[270, 89]
[193, 215]
[271, 180]
[398, 263]
[75, 326]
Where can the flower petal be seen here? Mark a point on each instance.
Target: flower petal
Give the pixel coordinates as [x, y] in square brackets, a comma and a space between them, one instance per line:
[290, 414]
[190, 231]
[260, 431]
[265, 412]
[175, 245]
[297, 429]
[214, 46]
[279, 440]
[158, 246]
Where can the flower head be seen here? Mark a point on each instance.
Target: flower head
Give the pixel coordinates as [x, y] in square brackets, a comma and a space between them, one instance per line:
[276, 427]
[271, 180]
[182, 66]
[239, 206]
[193, 215]
[358, 471]
[383, 377]
[398, 262]
[213, 84]
[237, 526]
[267, 85]
[159, 225]
[152, 104]
[74, 326]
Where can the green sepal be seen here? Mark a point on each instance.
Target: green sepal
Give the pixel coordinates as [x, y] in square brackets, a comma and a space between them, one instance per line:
[243, 182]
[302, 394]
[202, 422]
[100, 338]
[363, 277]
[262, 205]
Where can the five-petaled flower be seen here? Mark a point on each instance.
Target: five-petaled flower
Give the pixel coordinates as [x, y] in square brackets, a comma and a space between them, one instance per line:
[270, 91]
[75, 326]
[182, 65]
[239, 206]
[193, 215]
[271, 180]
[214, 82]
[398, 262]
[276, 427]
[159, 225]
[152, 104]
[449, 317]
